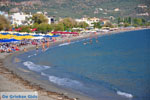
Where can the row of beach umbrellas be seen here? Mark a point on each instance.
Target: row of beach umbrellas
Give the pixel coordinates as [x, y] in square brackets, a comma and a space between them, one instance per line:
[6, 37]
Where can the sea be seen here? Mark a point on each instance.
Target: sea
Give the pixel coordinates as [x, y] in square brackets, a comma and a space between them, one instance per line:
[108, 67]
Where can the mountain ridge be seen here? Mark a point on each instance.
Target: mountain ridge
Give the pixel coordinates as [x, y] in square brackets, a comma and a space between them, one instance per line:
[80, 8]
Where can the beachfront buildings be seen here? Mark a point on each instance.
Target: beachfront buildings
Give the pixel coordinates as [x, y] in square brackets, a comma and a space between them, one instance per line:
[89, 21]
[20, 18]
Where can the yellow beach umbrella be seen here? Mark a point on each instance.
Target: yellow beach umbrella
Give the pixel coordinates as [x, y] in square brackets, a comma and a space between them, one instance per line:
[51, 34]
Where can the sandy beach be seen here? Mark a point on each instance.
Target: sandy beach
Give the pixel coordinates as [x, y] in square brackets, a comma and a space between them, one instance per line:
[13, 79]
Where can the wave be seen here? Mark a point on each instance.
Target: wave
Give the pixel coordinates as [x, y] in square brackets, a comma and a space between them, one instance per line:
[35, 67]
[32, 55]
[125, 94]
[64, 44]
[63, 81]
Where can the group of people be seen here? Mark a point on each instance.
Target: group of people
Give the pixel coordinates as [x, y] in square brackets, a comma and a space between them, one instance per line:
[13, 47]
[9, 47]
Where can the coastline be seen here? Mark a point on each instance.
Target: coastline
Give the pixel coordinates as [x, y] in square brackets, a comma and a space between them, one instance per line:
[6, 71]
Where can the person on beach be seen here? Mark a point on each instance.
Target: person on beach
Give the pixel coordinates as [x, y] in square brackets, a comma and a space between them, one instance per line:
[96, 40]
[91, 41]
[25, 50]
[48, 43]
[37, 47]
[69, 41]
[43, 46]
[17, 60]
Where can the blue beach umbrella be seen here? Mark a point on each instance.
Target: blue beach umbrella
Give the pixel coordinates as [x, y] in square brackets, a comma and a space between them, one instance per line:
[47, 36]
[4, 33]
[17, 34]
[8, 40]
[55, 36]
[26, 34]
[36, 35]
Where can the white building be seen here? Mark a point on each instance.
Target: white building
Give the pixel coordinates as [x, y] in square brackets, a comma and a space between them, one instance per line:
[89, 21]
[50, 19]
[21, 19]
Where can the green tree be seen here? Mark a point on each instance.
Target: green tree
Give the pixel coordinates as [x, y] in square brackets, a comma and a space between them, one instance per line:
[137, 21]
[43, 27]
[82, 25]
[39, 18]
[108, 24]
[68, 23]
[97, 25]
[59, 27]
[25, 29]
[129, 20]
[4, 23]
[119, 20]
[126, 24]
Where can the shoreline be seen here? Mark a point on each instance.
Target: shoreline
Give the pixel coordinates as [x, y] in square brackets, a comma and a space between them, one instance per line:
[8, 72]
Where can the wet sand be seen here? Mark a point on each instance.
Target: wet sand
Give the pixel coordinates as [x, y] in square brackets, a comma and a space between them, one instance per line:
[13, 79]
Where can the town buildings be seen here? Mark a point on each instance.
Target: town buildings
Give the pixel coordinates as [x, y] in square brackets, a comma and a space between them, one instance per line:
[21, 18]
[90, 21]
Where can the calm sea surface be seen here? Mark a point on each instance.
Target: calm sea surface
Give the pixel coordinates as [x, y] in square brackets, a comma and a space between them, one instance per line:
[115, 68]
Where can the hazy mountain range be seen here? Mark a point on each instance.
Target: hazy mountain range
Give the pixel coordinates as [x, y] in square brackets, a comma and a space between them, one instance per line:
[80, 8]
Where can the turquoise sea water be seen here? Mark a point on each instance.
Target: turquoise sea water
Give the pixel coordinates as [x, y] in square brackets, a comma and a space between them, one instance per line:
[115, 68]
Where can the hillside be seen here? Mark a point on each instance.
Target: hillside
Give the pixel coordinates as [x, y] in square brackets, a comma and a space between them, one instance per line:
[80, 8]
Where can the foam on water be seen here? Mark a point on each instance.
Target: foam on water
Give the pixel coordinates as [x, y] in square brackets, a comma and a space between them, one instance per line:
[64, 44]
[35, 67]
[32, 55]
[127, 95]
[63, 81]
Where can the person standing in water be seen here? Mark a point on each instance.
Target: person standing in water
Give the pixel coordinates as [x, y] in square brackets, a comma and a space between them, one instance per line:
[48, 44]
[43, 45]
[37, 47]
[96, 40]
[69, 41]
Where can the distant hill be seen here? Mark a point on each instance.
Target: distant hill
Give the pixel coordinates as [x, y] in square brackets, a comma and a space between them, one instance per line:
[80, 8]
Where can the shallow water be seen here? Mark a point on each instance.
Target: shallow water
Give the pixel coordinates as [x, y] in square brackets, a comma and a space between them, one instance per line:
[115, 68]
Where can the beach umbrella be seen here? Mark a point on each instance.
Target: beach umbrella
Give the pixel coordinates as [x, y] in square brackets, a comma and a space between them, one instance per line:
[4, 33]
[36, 35]
[5, 36]
[25, 34]
[51, 34]
[35, 29]
[47, 36]
[55, 36]
[8, 40]
[39, 38]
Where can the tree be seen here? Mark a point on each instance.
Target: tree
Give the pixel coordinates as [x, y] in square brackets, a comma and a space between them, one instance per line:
[137, 21]
[129, 20]
[39, 18]
[126, 24]
[82, 25]
[108, 24]
[43, 27]
[119, 20]
[4, 23]
[97, 25]
[59, 27]
[68, 23]
[25, 29]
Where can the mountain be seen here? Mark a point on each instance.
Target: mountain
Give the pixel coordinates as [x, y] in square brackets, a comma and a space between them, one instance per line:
[80, 8]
